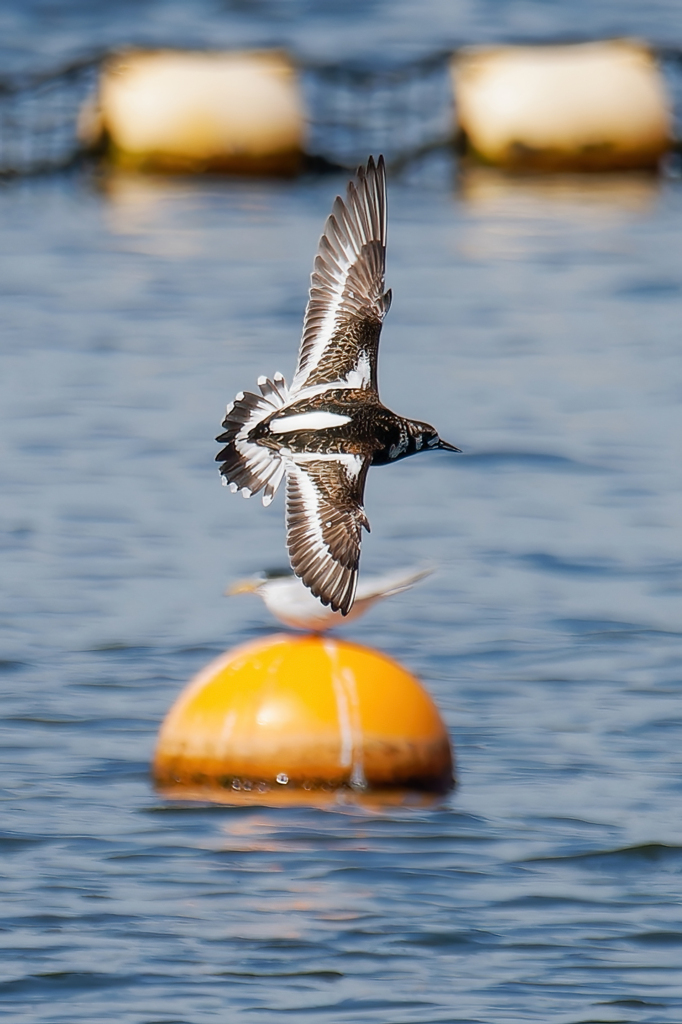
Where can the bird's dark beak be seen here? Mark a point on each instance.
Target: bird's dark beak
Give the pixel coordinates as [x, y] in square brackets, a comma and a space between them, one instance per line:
[447, 447]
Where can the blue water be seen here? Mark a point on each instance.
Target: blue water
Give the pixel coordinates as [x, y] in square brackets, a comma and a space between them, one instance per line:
[537, 324]
[40, 33]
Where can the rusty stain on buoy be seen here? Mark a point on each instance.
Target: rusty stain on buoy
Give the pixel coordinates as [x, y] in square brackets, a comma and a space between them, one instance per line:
[302, 716]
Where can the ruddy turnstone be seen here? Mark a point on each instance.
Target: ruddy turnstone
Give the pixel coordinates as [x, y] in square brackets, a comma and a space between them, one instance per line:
[329, 427]
[292, 603]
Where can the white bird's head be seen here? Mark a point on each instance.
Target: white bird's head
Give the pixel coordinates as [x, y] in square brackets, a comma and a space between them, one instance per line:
[258, 584]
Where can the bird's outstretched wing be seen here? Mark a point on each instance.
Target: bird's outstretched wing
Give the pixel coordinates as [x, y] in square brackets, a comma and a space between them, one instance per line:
[347, 301]
[324, 523]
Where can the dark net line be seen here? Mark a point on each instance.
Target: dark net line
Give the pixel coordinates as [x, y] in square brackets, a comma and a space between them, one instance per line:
[671, 67]
[39, 119]
[400, 112]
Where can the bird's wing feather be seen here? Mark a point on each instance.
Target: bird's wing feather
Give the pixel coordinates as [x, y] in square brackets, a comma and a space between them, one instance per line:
[324, 523]
[347, 301]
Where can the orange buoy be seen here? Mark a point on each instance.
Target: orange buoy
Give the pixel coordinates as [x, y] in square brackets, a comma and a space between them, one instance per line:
[302, 715]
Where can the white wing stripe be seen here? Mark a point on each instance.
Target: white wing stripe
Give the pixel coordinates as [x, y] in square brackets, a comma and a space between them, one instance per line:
[353, 463]
[319, 389]
[311, 504]
[308, 421]
[351, 226]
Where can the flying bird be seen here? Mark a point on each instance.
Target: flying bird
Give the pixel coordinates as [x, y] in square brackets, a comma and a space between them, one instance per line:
[288, 600]
[324, 431]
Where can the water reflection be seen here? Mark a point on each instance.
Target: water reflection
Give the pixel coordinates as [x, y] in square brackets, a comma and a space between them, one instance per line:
[137, 207]
[156, 213]
[576, 196]
[322, 799]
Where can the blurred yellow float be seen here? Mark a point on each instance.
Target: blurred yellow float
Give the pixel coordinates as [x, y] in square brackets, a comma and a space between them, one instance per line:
[237, 112]
[585, 107]
[298, 717]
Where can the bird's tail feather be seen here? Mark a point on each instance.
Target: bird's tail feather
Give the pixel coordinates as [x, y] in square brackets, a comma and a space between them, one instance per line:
[391, 583]
[247, 466]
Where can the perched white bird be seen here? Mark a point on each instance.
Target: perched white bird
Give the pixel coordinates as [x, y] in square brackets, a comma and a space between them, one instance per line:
[290, 601]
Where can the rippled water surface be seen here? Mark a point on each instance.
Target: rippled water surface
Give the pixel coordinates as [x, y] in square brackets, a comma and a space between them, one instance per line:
[538, 325]
[40, 33]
